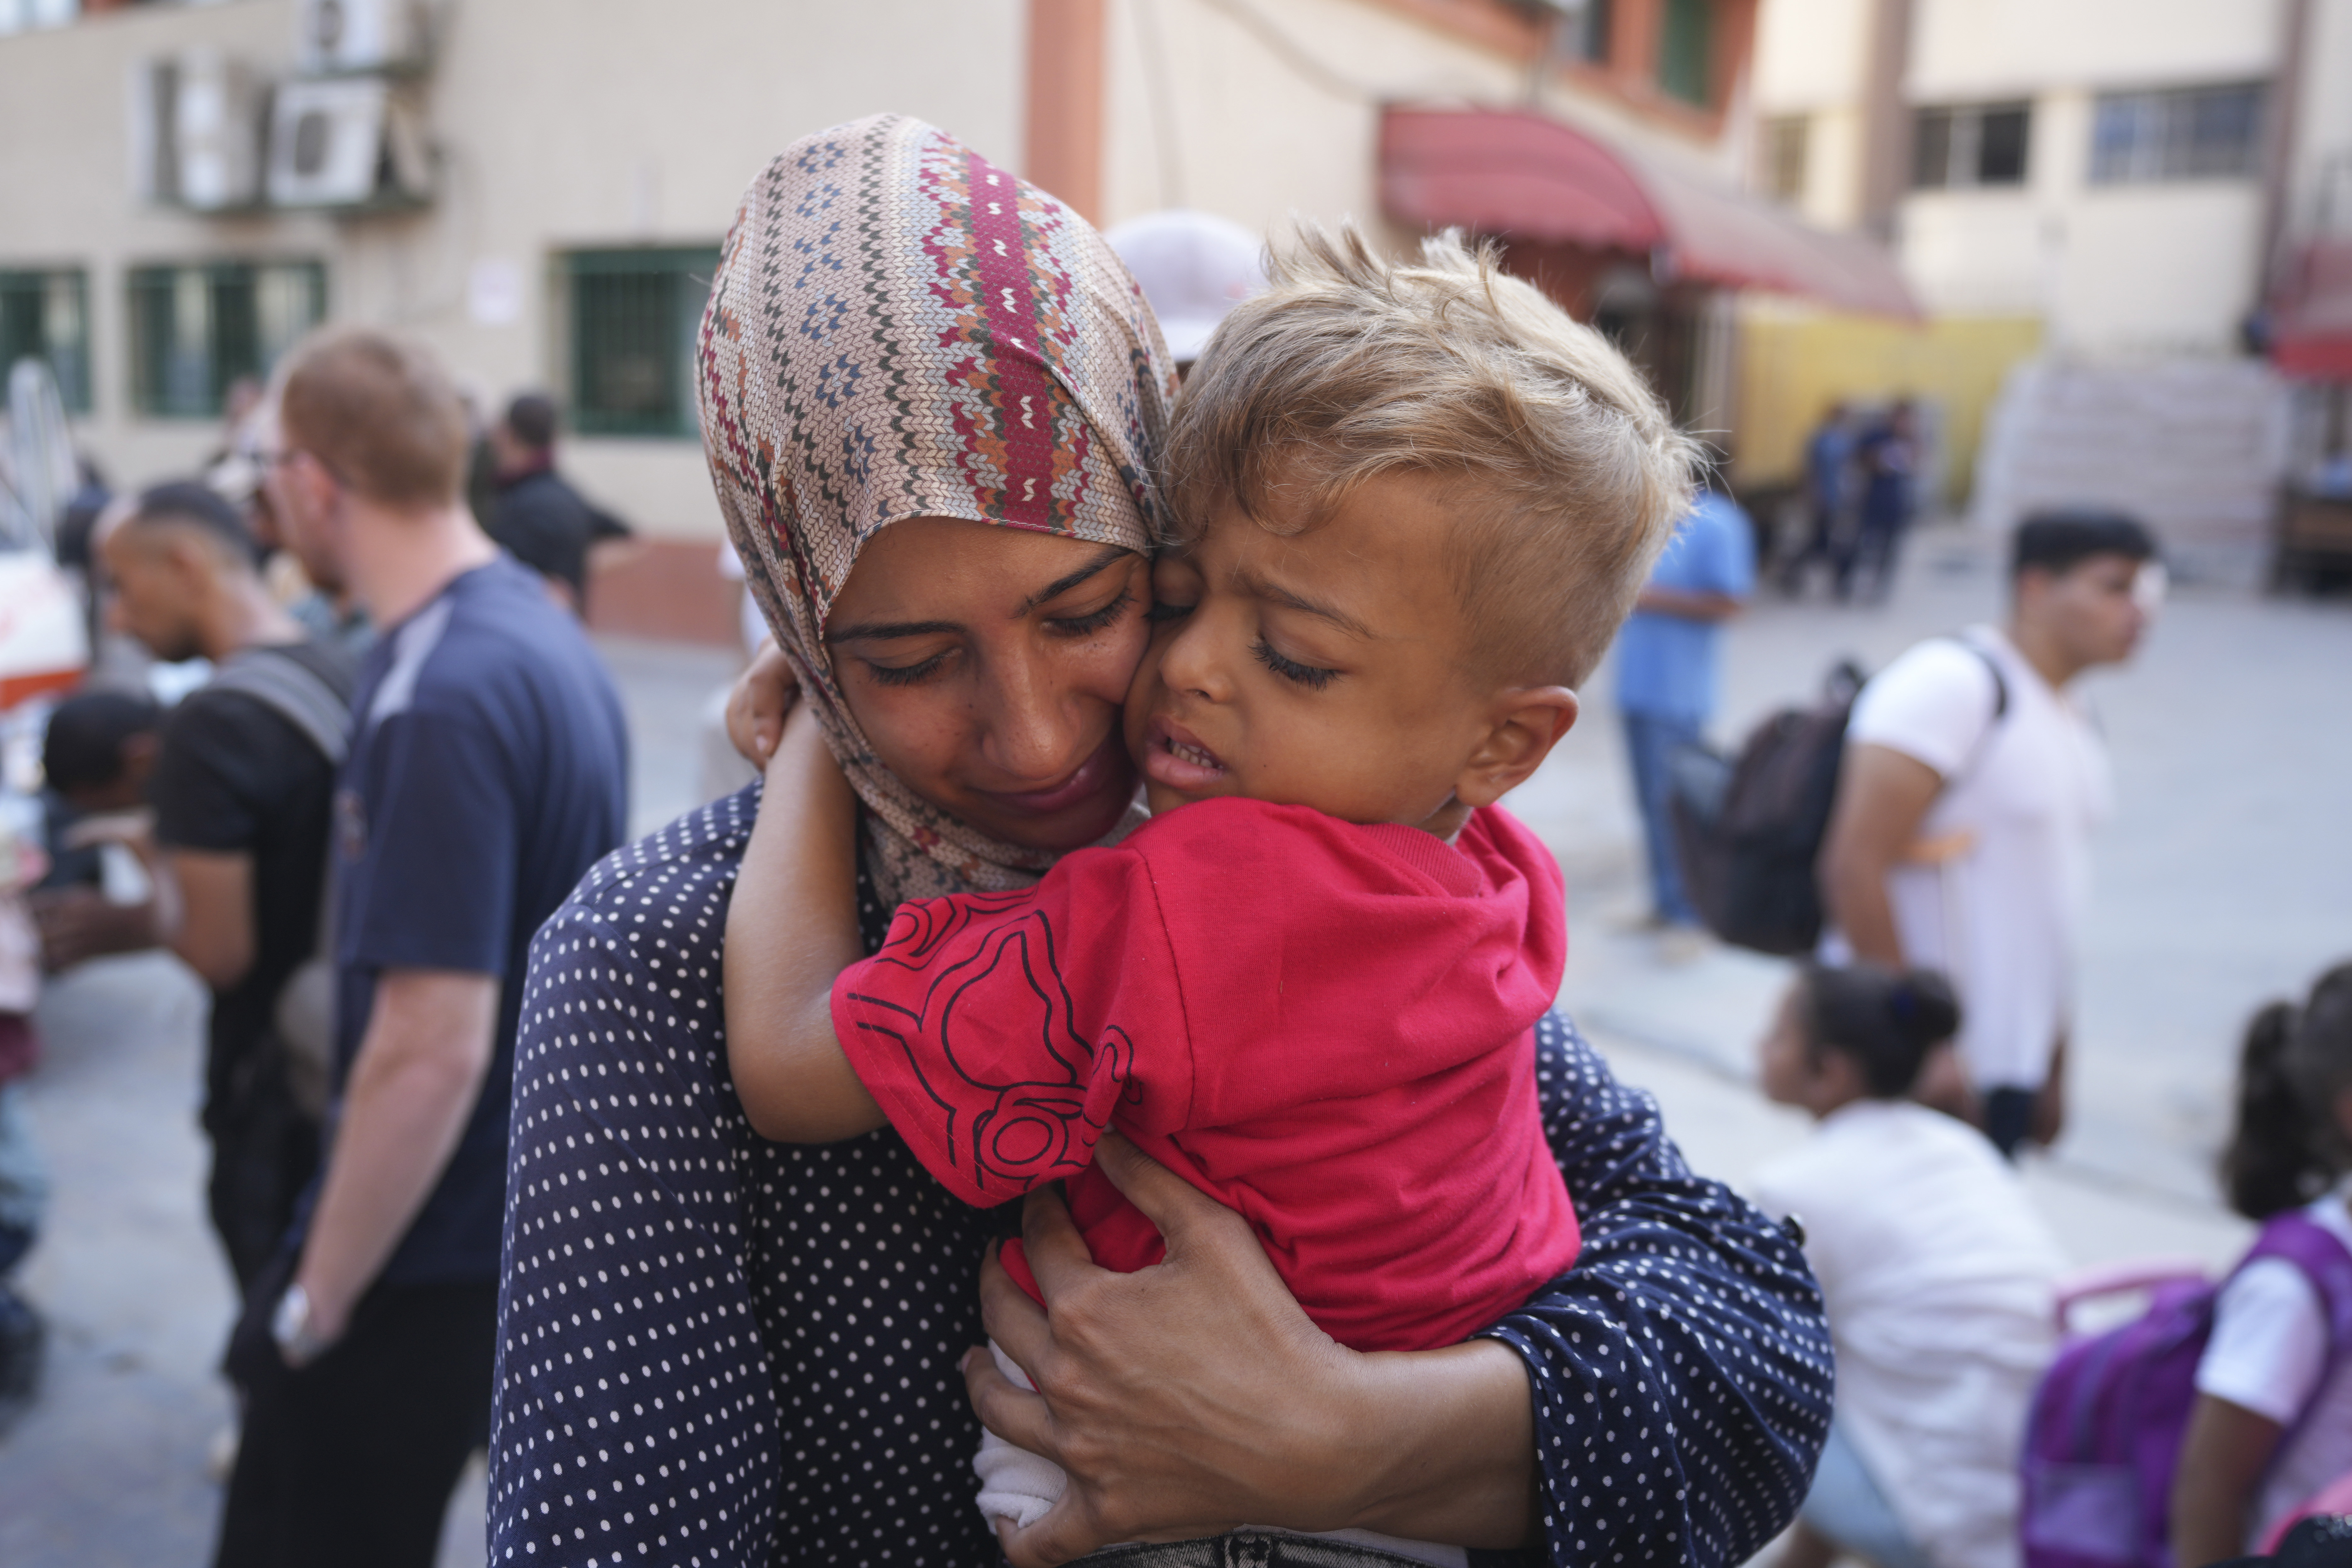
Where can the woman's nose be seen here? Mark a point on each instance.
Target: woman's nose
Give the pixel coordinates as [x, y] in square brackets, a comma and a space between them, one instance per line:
[1036, 728]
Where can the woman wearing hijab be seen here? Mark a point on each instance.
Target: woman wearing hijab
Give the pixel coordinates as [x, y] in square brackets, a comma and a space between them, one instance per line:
[932, 401]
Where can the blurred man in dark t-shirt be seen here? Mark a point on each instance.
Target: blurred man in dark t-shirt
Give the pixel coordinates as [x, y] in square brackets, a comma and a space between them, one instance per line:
[243, 788]
[487, 773]
[537, 517]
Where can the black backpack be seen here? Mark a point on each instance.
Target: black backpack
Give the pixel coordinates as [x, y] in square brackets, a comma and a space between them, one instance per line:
[1748, 831]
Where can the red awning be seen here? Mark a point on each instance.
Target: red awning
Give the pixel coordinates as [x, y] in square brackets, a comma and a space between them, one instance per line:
[2311, 337]
[1513, 173]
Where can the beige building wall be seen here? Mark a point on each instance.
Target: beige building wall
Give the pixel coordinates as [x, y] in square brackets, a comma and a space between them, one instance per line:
[2115, 270]
[558, 124]
[2320, 173]
[1963, 50]
[1811, 59]
[1260, 111]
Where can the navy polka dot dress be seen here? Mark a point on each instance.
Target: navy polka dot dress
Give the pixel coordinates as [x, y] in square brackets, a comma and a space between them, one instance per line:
[721, 1352]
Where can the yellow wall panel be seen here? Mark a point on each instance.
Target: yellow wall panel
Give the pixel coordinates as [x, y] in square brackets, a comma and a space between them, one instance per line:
[1792, 367]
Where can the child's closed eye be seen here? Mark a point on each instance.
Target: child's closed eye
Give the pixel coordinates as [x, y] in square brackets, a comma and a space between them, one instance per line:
[1312, 676]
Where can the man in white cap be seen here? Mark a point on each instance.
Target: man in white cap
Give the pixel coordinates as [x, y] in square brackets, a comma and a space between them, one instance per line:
[1194, 267]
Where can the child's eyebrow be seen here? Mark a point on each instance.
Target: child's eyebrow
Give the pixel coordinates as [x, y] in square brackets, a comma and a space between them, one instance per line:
[1282, 596]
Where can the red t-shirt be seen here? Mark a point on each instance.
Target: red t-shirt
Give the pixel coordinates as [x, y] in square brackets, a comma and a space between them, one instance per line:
[1326, 1026]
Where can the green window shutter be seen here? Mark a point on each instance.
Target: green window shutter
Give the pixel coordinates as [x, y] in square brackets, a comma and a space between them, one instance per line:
[634, 316]
[195, 329]
[1687, 51]
[46, 316]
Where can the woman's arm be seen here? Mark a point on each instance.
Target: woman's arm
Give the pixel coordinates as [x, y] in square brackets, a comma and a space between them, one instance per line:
[2223, 1456]
[1195, 1395]
[791, 931]
[1680, 1373]
[1681, 1369]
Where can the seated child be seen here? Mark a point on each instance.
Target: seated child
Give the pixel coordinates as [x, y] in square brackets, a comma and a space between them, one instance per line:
[1415, 502]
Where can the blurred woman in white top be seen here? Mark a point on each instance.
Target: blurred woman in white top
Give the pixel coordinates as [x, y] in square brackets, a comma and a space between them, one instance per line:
[1938, 1275]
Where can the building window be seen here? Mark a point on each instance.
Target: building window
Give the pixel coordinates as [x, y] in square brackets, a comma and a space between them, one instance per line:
[1687, 51]
[22, 15]
[46, 316]
[2185, 134]
[1585, 34]
[634, 314]
[1786, 138]
[197, 330]
[1975, 144]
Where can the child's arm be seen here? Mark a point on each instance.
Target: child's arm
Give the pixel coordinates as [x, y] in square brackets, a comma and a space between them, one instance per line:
[791, 931]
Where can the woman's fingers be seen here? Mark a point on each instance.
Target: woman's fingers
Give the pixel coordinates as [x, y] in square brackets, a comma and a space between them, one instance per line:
[762, 695]
[1057, 1254]
[1184, 1214]
[1017, 1324]
[1015, 1414]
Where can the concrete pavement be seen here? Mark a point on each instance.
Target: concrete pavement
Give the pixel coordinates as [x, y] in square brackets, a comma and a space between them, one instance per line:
[2225, 878]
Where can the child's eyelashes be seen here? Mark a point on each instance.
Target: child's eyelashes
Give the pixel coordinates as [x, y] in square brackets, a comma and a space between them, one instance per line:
[1312, 676]
[1088, 625]
[1162, 610]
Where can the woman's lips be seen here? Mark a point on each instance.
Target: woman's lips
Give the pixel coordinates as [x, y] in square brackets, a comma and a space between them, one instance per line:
[1173, 756]
[1104, 769]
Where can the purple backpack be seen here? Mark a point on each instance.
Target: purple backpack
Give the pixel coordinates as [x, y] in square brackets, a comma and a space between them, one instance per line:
[2109, 1416]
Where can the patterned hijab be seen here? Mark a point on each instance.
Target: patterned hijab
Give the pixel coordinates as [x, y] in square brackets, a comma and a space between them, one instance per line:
[898, 328]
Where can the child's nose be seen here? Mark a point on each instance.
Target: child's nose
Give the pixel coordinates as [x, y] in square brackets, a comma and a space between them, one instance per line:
[1192, 662]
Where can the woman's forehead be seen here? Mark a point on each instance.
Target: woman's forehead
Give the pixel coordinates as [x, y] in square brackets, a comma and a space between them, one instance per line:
[926, 569]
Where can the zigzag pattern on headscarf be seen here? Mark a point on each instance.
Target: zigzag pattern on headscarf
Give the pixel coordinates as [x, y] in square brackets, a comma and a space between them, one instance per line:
[898, 328]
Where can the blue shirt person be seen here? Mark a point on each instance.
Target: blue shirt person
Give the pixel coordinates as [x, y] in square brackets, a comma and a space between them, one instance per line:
[1667, 657]
[487, 775]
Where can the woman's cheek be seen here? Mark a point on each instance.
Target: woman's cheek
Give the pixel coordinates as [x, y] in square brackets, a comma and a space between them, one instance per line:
[1109, 664]
[913, 729]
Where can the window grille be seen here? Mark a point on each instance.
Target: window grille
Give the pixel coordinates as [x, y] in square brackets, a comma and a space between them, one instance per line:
[2181, 134]
[1968, 145]
[634, 318]
[1787, 140]
[46, 316]
[196, 330]
[1687, 51]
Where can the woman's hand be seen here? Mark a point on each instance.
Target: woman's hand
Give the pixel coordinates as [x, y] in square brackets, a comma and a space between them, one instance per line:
[1192, 1397]
[763, 695]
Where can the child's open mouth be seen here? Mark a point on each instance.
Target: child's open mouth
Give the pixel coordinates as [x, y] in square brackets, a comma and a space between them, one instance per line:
[1173, 756]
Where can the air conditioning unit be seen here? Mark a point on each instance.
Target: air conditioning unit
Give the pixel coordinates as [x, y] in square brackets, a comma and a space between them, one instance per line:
[337, 37]
[344, 141]
[196, 131]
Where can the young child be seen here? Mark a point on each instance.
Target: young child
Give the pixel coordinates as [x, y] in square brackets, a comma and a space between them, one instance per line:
[2272, 1423]
[1936, 1272]
[1416, 501]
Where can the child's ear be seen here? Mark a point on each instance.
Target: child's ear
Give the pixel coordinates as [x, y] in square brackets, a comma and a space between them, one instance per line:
[1524, 724]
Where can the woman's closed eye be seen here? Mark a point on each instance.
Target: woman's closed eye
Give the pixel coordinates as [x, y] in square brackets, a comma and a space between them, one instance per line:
[1094, 621]
[907, 674]
[1312, 676]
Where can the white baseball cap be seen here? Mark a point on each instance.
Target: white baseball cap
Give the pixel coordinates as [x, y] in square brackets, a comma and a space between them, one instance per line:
[1194, 267]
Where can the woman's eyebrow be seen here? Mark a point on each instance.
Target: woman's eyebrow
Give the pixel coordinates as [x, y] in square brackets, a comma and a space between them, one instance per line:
[882, 631]
[1110, 555]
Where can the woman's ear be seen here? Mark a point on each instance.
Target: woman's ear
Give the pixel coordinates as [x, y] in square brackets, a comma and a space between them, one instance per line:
[1523, 726]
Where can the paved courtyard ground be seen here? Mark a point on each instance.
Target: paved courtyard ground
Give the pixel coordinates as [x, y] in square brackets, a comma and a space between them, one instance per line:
[2225, 878]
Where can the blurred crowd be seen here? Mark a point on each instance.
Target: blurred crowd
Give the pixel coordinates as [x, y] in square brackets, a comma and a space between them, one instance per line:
[1918, 840]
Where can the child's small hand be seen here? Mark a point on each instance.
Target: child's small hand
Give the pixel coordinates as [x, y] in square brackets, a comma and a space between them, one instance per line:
[764, 694]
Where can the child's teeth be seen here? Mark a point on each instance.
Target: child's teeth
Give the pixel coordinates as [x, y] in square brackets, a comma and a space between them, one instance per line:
[1192, 754]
